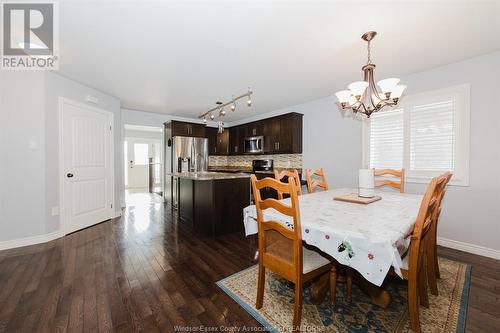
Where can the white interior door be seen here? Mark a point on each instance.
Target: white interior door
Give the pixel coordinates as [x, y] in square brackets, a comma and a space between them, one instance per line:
[87, 165]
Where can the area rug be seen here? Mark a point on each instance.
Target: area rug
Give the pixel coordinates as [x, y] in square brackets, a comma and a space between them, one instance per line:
[447, 312]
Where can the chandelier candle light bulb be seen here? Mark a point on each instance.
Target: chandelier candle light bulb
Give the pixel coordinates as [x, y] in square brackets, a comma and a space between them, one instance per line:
[363, 96]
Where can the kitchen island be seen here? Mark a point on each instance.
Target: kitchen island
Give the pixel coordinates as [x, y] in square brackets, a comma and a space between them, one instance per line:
[212, 202]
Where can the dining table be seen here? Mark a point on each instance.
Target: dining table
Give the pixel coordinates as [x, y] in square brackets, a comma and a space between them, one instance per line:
[368, 238]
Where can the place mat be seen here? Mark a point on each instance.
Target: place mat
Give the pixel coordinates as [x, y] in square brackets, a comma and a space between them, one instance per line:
[355, 198]
[446, 313]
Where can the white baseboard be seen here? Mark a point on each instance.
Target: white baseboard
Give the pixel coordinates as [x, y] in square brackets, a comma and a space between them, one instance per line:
[10, 244]
[20, 242]
[467, 247]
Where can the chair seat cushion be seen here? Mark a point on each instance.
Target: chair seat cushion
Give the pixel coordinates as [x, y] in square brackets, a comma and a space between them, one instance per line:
[312, 260]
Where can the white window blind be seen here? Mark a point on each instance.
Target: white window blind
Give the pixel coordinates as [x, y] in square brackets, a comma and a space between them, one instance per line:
[386, 139]
[432, 138]
[427, 135]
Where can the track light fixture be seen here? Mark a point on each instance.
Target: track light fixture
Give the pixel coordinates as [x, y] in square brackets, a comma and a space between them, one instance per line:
[249, 100]
[232, 105]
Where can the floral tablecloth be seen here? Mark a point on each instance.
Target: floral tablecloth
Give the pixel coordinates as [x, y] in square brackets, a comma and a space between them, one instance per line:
[369, 238]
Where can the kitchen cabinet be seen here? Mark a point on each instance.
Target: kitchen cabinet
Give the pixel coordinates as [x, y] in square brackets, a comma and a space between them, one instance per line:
[211, 134]
[218, 143]
[181, 128]
[283, 134]
[223, 143]
[236, 140]
[255, 129]
[213, 207]
[271, 135]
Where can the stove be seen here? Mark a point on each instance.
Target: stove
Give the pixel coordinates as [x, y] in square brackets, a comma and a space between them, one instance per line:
[262, 165]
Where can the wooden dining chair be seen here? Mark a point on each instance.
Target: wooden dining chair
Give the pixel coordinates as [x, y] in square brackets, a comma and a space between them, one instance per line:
[279, 175]
[285, 255]
[316, 178]
[413, 268]
[388, 182]
[433, 272]
[414, 260]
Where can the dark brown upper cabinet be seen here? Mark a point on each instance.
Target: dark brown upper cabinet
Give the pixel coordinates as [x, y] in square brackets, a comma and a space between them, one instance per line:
[283, 134]
[218, 143]
[237, 136]
[180, 128]
[211, 134]
[223, 142]
[255, 129]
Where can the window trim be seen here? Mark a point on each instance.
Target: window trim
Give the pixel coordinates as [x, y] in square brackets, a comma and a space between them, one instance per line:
[462, 132]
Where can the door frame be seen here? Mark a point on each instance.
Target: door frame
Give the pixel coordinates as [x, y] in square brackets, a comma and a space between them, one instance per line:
[63, 223]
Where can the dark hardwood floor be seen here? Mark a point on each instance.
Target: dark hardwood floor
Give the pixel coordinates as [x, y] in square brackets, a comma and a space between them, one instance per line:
[144, 272]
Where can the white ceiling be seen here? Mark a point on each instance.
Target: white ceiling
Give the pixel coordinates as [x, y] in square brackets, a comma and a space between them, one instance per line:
[180, 57]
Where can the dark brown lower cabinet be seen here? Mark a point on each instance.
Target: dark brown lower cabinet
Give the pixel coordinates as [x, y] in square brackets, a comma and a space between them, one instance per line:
[185, 206]
[216, 206]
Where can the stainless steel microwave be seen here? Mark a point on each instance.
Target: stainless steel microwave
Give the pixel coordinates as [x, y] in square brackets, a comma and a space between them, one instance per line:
[254, 145]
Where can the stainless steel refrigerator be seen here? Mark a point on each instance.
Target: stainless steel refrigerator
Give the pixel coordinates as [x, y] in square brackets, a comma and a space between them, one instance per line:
[182, 154]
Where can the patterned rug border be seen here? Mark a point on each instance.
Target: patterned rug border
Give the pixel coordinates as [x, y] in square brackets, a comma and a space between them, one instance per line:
[243, 304]
[462, 317]
[464, 302]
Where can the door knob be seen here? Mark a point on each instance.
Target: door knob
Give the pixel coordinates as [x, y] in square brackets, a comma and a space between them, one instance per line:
[69, 175]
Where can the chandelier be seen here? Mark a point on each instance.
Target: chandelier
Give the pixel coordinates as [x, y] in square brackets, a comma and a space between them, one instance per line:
[363, 96]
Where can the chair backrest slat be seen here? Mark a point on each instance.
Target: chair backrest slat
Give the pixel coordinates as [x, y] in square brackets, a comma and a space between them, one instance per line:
[388, 182]
[294, 175]
[316, 178]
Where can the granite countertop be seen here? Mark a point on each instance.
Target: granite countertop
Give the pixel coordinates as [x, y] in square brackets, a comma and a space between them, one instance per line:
[230, 169]
[246, 169]
[209, 175]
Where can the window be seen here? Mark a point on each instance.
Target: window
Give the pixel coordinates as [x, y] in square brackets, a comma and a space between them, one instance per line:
[386, 139]
[427, 134]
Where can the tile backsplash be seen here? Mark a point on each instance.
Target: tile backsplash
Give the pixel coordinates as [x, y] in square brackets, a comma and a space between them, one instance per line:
[280, 160]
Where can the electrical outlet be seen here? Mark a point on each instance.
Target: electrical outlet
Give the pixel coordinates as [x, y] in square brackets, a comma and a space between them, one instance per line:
[55, 211]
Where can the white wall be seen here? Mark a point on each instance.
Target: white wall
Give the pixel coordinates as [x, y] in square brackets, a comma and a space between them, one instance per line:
[142, 134]
[472, 214]
[22, 151]
[29, 176]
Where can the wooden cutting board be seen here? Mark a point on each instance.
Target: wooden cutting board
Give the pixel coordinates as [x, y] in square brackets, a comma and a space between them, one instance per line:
[354, 198]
